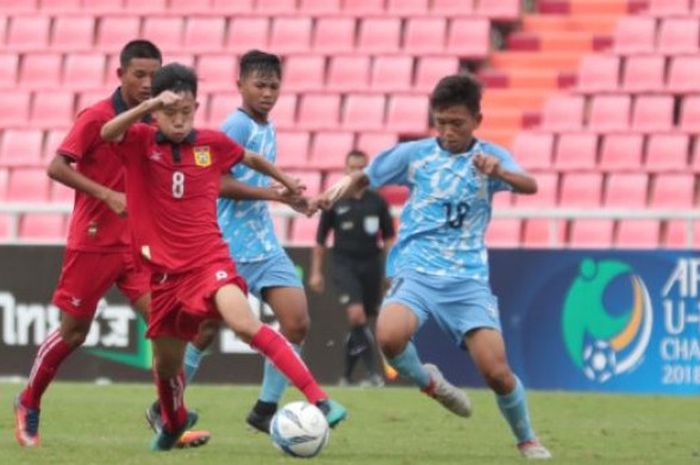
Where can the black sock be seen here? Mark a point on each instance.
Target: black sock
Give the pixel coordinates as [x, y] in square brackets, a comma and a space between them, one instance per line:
[367, 355]
[265, 408]
[354, 346]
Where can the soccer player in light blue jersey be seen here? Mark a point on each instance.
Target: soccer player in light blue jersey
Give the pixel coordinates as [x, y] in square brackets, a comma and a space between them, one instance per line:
[439, 263]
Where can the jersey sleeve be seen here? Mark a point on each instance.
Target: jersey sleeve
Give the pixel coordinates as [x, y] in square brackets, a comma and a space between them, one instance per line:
[229, 151]
[135, 140]
[386, 222]
[507, 163]
[84, 136]
[237, 128]
[324, 226]
[390, 166]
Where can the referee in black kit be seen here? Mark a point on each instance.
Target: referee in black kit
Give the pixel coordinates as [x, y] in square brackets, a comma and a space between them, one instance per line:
[363, 231]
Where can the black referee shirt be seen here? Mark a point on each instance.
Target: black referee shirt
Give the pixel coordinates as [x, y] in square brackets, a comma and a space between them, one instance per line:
[357, 224]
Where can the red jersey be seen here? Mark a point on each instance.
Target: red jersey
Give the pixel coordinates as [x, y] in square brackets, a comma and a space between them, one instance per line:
[94, 227]
[171, 193]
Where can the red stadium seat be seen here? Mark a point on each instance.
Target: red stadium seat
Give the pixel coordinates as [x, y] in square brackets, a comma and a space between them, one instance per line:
[533, 150]
[28, 185]
[669, 7]
[626, 190]
[83, 72]
[394, 194]
[229, 7]
[431, 69]
[204, 34]
[42, 226]
[392, 73]
[73, 33]
[222, 104]
[217, 71]
[28, 33]
[319, 111]
[450, 8]
[407, 114]
[271, 7]
[290, 35]
[503, 232]
[683, 72]
[284, 113]
[642, 234]
[379, 35]
[599, 73]
[563, 113]
[54, 138]
[374, 142]
[247, 33]
[303, 231]
[621, 152]
[653, 113]
[635, 34]
[187, 7]
[9, 67]
[104, 6]
[690, 114]
[673, 191]
[319, 7]
[21, 147]
[329, 149]
[41, 71]
[292, 149]
[115, 31]
[348, 73]
[581, 190]
[15, 108]
[678, 235]
[407, 7]
[149, 7]
[363, 7]
[679, 35]
[667, 152]
[576, 151]
[59, 7]
[304, 72]
[610, 113]
[591, 233]
[503, 10]
[547, 186]
[544, 233]
[166, 31]
[644, 73]
[52, 109]
[334, 35]
[363, 112]
[469, 37]
[425, 36]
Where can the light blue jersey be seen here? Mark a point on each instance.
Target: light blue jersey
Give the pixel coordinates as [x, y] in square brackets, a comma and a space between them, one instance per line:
[246, 224]
[445, 218]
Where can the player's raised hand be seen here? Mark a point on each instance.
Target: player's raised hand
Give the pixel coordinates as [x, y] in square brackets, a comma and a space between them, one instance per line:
[487, 164]
[166, 98]
[116, 201]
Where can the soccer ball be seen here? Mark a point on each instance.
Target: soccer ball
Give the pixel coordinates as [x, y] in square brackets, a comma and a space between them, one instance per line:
[599, 361]
[299, 429]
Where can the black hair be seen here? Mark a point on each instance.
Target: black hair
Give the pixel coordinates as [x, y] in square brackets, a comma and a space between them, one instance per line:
[262, 62]
[176, 78]
[356, 153]
[458, 89]
[139, 49]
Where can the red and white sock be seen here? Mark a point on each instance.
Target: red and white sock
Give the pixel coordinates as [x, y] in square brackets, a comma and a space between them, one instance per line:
[52, 352]
[171, 393]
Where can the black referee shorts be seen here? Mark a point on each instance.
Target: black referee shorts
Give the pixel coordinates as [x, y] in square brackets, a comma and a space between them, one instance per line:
[359, 281]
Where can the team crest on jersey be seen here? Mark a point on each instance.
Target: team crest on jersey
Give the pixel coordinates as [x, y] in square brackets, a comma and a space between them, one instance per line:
[202, 156]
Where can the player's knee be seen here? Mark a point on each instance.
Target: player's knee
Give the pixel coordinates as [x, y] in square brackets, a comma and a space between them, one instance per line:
[75, 336]
[499, 378]
[206, 335]
[168, 368]
[296, 327]
[390, 344]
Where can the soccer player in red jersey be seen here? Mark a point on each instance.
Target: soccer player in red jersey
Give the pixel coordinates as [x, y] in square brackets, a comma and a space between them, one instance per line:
[97, 253]
[173, 177]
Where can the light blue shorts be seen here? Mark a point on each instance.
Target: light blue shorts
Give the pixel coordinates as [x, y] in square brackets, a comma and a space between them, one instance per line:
[276, 271]
[458, 306]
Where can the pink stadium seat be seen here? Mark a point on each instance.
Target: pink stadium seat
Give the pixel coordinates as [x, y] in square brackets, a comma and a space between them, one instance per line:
[5, 227]
[599, 73]
[247, 33]
[284, 113]
[683, 72]
[90, 97]
[392, 73]
[332, 177]
[54, 138]
[610, 113]
[576, 151]
[407, 7]
[9, 66]
[690, 114]
[678, 236]
[229, 7]
[187, 59]
[21, 147]
[669, 7]
[469, 37]
[15, 108]
[270, 7]
[407, 114]
[563, 113]
[503, 10]
[41, 70]
[186, 7]
[4, 175]
[303, 230]
[28, 33]
[431, 69]
[61, 193]
[329, 149]
[622, 152]
[547, 186]
[363, 112]
[653, 113]
[533, 150]
[292, 149]
[73, 33]
[503, 232]
[51, 109]
[290, 35]
[673, 191]
[379, 35]
[374, 142]
[679, 35]
[626, 190]
[166, 31]
[695, 164]
[83, 72]
[3, 29]
[28, 185]
[667, 152]
[319, 111]
[644, 73]
[635, 34]
[425, 36]
[334, 35]
[642, 234]
[115, 31]
[304, 72]
[450, 8]
[222, 104]
[581, 190]
[104, 6]
[42, 226]
[363, 7]
[591, 233]
[149, 7]
[319, 7]
[503, 200]
[204, 34]
[311, 179]
[217, 72]
[348, 73]
[543, 233]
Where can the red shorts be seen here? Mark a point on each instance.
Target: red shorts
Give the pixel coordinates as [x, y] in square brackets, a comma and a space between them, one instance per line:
[181, 302]
[87, 276]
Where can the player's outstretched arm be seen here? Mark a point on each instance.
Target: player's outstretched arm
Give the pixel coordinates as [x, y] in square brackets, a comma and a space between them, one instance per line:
[345, 187]
[237, 190]
[491, 166]
[114, 129]
[260, 164]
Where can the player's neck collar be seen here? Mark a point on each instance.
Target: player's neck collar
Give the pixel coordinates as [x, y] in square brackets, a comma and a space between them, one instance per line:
[257, 121]
[162, 138]
[471, 146]
[120, 105]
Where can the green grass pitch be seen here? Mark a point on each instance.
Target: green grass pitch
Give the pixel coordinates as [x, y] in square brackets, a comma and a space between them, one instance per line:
[88, 424]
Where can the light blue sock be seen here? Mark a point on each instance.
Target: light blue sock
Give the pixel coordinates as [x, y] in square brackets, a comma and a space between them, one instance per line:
[408, 365]
[514, 409]
[193, 357]
[274, 383]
